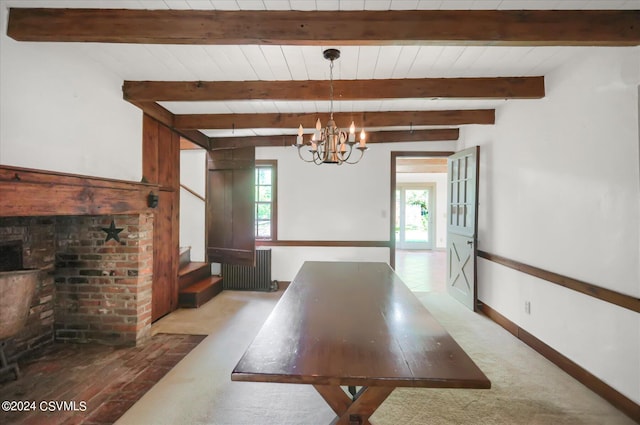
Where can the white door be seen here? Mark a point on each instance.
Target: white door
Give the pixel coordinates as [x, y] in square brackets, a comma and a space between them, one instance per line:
[462, 202]
[415, 212]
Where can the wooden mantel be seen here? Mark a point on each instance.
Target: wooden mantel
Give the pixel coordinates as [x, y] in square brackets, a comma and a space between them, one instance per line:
[27, 192]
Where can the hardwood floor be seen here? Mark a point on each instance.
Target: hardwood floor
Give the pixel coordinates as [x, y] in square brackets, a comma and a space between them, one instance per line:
[422, 270]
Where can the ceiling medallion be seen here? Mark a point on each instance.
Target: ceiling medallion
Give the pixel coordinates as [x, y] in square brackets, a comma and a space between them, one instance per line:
[331, 145]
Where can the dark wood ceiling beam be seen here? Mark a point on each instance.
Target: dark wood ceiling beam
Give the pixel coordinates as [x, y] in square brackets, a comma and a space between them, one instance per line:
[430, 135]
[155, 111]
[321, 28]
[241, 142]
[195, 136]
[461, 88]
[164, 116]
[343, 119]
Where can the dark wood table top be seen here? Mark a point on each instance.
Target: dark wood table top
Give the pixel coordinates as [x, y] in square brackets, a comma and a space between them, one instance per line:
[355, 323]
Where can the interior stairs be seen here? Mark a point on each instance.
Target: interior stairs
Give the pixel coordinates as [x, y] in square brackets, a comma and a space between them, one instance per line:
[195, 282]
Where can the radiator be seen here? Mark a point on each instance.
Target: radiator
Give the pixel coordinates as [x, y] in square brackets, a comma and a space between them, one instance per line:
[256, 278]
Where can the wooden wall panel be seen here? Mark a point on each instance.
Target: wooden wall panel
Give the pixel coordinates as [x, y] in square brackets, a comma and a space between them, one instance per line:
[160, 154]
[161, 165]
[231, 206]
[168, 158]
[150, 149]
[165, 256]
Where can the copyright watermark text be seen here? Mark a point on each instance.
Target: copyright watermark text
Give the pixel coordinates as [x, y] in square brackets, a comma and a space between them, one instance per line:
[44, 406]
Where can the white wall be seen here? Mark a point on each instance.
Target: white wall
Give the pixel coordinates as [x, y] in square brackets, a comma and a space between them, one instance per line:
[560, 190]
[193, 168]
[286, 261]
[62, 113]
[329, 202]
[440, 182]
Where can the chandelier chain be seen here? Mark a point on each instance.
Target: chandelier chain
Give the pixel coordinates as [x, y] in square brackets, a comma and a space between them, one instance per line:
[331, 87]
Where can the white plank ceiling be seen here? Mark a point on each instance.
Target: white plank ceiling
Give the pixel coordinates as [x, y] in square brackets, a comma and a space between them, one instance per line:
[262, 62]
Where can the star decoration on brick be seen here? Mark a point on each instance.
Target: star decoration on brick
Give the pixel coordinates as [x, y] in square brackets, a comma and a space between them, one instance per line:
[112, 232]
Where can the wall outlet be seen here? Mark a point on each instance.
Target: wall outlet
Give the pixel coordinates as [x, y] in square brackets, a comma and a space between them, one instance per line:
[527, 307]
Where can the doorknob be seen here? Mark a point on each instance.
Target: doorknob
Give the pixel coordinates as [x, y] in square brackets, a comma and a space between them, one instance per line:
[469, 242]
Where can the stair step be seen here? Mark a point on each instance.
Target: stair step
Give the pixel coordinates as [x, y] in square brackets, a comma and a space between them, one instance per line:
[198, 293]
[192, 273]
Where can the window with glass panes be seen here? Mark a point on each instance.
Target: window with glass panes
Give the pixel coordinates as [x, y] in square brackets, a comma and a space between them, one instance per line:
[265, 200]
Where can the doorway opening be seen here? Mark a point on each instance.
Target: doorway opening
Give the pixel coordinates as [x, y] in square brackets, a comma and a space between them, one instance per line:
[419, 219]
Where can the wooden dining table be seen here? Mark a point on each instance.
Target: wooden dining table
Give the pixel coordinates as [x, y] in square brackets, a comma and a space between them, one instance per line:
[355, 324]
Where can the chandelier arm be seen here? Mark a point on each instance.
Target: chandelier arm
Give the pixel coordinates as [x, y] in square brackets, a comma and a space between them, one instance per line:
[355, 162]
[320, 153]
[301, 157]
[343, 156]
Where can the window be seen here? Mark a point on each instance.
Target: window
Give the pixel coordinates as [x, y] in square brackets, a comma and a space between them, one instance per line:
[265, 228]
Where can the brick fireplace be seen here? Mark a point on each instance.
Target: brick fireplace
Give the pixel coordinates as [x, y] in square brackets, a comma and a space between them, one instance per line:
[36, 238]
[103, 287]
[90, 288]
[93, 241]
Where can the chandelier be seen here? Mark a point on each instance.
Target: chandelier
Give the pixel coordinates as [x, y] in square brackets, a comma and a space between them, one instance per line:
[331, 145]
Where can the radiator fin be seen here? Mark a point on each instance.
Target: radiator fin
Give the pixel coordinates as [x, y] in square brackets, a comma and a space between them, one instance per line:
[256, 278]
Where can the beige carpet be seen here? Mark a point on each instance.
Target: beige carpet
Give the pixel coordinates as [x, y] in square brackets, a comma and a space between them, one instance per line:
[527, 389]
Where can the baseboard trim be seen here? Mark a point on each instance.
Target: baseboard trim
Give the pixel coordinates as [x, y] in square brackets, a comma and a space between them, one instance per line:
[283, 285]
[595, 384]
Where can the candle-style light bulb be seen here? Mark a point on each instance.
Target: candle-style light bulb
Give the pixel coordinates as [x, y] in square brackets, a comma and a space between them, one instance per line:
[362, 139]
[299, 138]
[352, 132]
[318, 128]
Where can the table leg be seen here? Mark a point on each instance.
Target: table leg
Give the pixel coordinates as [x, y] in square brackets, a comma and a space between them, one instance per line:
[353, 412]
